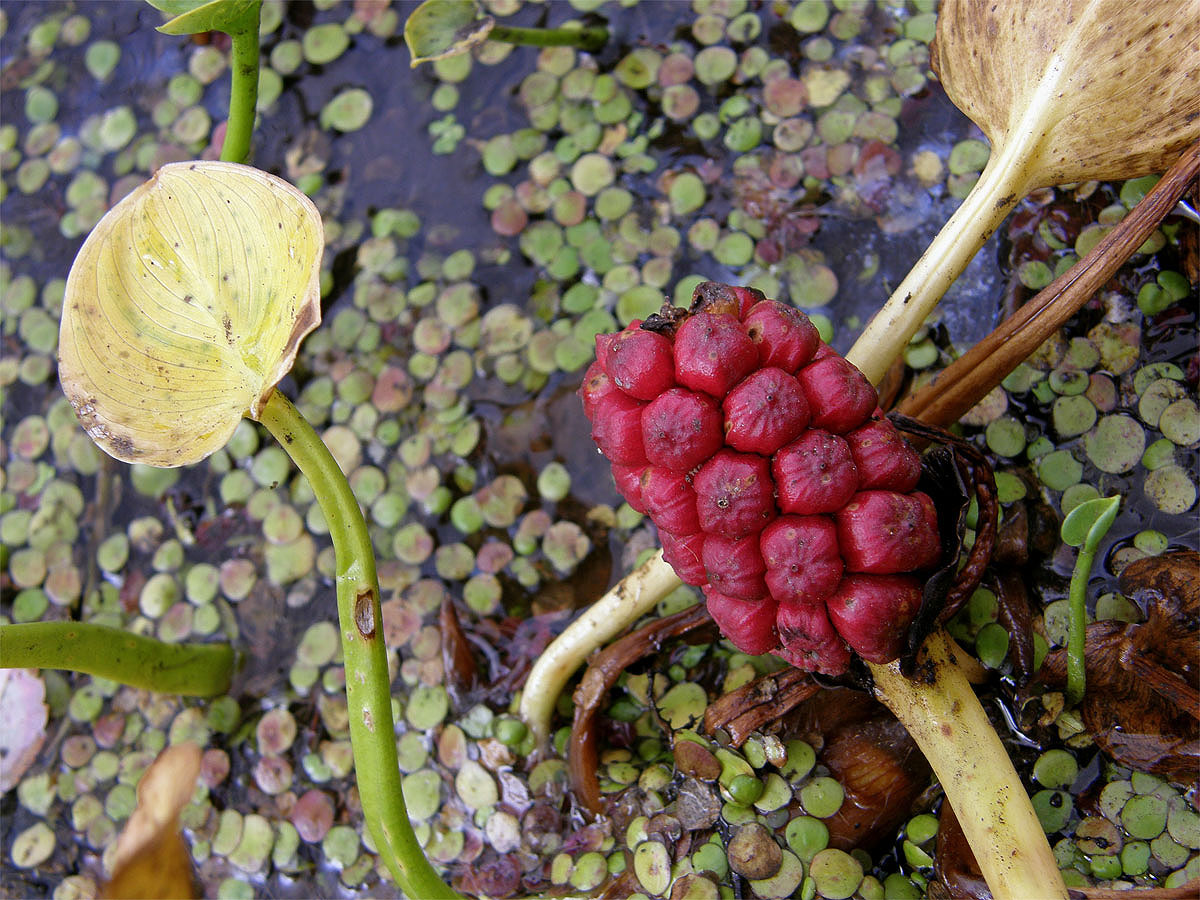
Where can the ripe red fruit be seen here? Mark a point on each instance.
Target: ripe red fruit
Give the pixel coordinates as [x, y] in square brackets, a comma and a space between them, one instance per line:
[802, 559]
[684, 553]
[713, 353]
[734, 494]
[617, 429]
[839, 396]
[883, 457]
[749, 625]
[670, 501]
[641, 363]
[681, 429]
[809, 640]
[735, 567]
[775, 483]
[764, 412]
[873, 612]
[883, 532]
[628, 480]
[786, 338]
[814, 474]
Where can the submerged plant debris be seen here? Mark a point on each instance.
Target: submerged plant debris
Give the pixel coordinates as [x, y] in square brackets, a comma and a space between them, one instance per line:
[487, 215]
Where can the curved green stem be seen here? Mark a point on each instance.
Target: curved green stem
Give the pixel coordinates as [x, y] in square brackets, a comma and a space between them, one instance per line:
[368, 693]
[1077, 626]
[194, 670]
[243, 90]
[589, 38]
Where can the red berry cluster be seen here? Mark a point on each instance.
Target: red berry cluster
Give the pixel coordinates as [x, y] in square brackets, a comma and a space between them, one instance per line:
[776, 483]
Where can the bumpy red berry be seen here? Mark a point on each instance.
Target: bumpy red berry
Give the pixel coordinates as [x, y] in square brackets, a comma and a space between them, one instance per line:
[641, 363]
[872, 613]
[883, 532]
[734, 494]
[776, 484]
[735, 567]
[750, 624]
[681, 429]
[802, 558]
[815, 474]
[765, 411]
[713, 353]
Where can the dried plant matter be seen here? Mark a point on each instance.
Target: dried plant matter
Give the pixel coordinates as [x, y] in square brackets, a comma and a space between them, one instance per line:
[1065, 92]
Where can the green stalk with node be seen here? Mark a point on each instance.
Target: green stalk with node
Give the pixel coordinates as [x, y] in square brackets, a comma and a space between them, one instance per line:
[438, 29]
[184, 308]
[239, 19]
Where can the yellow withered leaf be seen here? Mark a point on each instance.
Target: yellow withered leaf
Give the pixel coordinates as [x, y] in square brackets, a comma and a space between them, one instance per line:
[185, 307]
[151, 858]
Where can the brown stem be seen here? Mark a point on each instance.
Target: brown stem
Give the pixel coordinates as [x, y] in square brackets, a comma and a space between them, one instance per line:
[602, 673]
[746, 709]
[965, 382]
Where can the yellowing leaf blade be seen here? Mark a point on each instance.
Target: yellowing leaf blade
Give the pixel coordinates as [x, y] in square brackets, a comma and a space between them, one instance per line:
[185, 306]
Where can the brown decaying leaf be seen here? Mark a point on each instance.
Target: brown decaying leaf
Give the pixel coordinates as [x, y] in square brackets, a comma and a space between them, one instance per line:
[152, 859]
[1141, 705]
[1105, 88]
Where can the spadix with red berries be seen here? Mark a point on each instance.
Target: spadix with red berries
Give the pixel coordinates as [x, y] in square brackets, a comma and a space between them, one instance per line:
[776, 484]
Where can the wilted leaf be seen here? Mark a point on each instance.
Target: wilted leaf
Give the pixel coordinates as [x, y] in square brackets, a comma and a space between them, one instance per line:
[440, 28]
[23, 712]
[152, 859]
[185, 306]
[199, 16]
[1086, 89]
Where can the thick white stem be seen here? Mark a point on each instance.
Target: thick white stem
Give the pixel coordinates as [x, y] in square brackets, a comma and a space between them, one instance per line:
[945, 718]
[629, 600]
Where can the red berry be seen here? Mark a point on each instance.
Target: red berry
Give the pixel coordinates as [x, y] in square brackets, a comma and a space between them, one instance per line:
[734, 494]
[670, 500]
[629, 483]
[765, 411]
[801, 556]
[814, 474]
[713, 353]
[596, 386]
[684, 553]
[809, 640]
[883, 457]
[641, 363]
[839, 396]
[734, 567]
[617, 429]
[681, 429]
[750, 626]
[714, 297]
[785, 336]
[883, 532]
[873, 612]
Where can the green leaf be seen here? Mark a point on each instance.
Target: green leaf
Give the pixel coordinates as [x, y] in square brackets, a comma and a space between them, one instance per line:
[1087, 523]
[199, 16]
[440, 28]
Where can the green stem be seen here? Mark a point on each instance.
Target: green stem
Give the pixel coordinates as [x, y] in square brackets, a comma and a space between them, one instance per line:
[194, 670]
[243, 89]
[368, 692]
[590, 38]
[1077, 625]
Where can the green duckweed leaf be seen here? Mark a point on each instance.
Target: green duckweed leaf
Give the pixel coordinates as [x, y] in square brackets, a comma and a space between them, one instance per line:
[184, 308]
